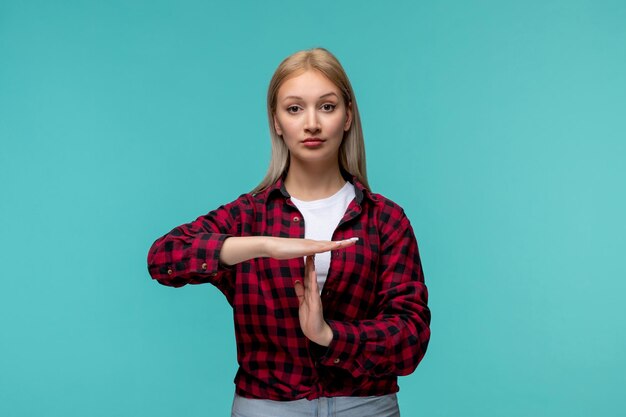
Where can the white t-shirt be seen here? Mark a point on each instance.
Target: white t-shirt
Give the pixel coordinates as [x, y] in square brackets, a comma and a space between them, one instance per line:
[321, 218]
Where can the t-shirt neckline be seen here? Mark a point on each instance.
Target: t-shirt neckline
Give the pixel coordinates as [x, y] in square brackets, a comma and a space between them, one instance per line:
[327, 201]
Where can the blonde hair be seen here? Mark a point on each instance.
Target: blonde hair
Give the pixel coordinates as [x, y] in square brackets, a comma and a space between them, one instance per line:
[352, 149]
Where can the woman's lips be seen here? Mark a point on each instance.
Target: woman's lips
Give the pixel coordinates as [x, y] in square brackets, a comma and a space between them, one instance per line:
[312, 142]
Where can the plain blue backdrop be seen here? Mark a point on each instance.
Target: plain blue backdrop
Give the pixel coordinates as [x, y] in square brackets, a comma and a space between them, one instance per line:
[499, 126]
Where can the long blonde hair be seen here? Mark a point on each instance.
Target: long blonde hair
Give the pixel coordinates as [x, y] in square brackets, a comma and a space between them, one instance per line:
[352, 149]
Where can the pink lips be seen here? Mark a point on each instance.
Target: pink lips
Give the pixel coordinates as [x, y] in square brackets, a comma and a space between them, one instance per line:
[312, 142]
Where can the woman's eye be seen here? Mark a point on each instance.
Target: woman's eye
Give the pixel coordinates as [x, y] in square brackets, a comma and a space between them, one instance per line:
[292, 109]
[328, 107]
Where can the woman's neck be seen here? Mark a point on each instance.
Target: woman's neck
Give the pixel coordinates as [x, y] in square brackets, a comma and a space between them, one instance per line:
[313, 182]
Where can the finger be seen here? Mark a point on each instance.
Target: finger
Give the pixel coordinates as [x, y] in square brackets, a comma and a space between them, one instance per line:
[342, 244]
[299, 288]
[347, 242]
[309, 268]
[309, 271]
[312, 289]
[337, 244]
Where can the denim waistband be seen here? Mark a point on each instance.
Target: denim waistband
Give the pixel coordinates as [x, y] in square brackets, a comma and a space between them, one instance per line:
[374, 406]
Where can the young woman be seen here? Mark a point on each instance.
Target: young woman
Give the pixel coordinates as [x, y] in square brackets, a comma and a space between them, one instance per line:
[323, 275]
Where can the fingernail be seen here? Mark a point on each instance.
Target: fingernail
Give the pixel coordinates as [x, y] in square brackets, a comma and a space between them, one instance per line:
[297, 282]
[353, 239]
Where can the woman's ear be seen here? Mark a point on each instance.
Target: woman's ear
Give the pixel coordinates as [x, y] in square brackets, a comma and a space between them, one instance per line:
[277, 126]
[348, 123]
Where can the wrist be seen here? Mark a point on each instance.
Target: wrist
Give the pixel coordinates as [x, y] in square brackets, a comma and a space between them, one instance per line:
[264, 247]
[326, 336]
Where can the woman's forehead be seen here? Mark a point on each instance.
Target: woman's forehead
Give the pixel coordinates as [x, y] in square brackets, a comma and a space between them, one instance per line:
[307, 84]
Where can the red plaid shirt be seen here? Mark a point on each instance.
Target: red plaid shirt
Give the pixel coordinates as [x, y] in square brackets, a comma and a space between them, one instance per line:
[374, 298]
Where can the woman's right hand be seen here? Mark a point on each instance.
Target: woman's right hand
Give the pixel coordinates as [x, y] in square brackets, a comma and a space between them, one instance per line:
[287, 248]
[239, 249]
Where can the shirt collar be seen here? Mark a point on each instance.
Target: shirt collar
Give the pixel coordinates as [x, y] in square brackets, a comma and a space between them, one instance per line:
[278, 188]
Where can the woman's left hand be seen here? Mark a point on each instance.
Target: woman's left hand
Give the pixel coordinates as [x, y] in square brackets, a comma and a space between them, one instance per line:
[311, 315]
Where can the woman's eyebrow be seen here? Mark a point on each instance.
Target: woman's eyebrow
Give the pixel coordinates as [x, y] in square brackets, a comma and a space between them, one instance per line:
[322, 96]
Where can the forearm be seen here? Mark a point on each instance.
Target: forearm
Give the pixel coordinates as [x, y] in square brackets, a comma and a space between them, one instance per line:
[381, 346]
[239, 249]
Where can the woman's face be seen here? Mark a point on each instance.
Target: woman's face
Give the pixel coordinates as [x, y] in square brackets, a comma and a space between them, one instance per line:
[311, 117]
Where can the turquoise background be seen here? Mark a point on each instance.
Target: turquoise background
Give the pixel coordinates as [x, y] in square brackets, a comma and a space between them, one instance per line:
[500, 127]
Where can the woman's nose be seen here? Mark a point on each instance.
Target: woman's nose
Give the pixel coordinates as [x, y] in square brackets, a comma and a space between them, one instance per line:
[312, 121]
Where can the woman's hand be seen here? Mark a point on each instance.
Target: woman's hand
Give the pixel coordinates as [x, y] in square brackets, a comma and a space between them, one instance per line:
[311, 315]
[288, 248]
[240, 249]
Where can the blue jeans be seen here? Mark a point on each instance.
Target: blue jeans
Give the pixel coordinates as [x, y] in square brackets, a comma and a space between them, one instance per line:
[383, 406]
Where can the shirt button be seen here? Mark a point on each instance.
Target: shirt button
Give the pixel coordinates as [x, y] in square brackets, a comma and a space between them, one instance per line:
[204, 266]
[296, 219]
[169, 272]
[336, 360]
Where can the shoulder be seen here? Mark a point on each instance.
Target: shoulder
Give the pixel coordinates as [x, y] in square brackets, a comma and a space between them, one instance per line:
[389, 217]
[383, 211]
[387, 208]
[244, 202]
[379, 202]
[251, 201]
[235, 208]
